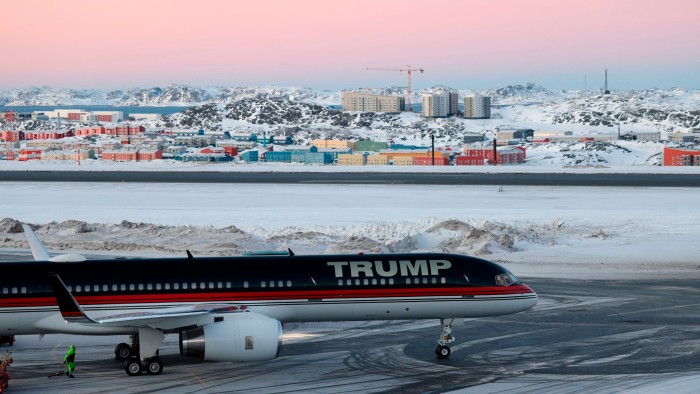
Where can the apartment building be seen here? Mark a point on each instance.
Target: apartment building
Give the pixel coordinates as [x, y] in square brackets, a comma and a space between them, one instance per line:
[436, 105]
[477, 107]
[364, 102]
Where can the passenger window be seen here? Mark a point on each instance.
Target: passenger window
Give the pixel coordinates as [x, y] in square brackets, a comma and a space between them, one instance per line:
[219, 285]
[365, 282]
[289, 283]
[391, 281]
[382, 281]
[122, 287]
[184, 286]
[433, 280]
[349, 282]
[425, 281]
[374, 281]
[272, 283]
[23, 290]
[357, 282]
[70, 288]
[202, 285]
[105, 287]
[245, 284]
[114, 287]
[176, 286]
[193, 286]
[167, 286]
[96, 288]
[5, 290]
[140, 286]
[158, 286]
[228, 285]
[408, 281]
[149, 286]
[280, 284]
[263, 284]
[14, 290]
[132, 287]
[211, 285]
[340, 282]
[443, 280]
[78, 288]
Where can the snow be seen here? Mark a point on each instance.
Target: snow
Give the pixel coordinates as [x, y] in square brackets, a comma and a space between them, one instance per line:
[570, 232]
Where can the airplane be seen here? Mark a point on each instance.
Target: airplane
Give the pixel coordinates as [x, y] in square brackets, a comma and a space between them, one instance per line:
[232, 308]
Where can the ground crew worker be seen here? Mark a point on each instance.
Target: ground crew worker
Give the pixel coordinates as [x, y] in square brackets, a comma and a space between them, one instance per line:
[69, 360]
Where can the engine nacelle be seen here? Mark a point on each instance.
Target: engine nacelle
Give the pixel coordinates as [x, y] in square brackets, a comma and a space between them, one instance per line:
[238, 337]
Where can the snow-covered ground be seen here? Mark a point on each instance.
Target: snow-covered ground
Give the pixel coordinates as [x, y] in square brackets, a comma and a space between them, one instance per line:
[571, 232]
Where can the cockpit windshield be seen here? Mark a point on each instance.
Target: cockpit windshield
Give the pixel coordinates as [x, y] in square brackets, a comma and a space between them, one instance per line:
[506, 279]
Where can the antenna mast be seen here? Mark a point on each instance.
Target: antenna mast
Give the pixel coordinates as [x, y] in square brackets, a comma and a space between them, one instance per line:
[606, 90]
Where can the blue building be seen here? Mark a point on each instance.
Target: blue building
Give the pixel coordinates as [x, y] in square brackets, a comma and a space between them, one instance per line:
[278, 157]
[318, 158]
[335, 152]
[250, 155]
[299, 151]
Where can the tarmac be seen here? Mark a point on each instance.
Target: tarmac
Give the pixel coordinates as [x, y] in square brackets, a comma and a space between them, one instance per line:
[641, 336]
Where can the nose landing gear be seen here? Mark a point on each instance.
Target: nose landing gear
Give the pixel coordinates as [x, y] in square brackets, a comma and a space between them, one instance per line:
[442, 350]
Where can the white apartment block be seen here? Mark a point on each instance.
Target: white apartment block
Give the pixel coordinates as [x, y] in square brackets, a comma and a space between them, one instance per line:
[436, 105]
[477, 107]
[364, 102]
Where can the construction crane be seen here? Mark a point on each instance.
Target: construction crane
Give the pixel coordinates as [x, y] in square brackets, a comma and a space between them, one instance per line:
[408, 69]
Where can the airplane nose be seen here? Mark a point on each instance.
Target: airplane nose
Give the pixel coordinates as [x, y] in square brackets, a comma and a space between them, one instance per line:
[531, 301]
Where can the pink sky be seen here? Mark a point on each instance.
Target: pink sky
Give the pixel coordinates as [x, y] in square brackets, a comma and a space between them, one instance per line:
[328, 44]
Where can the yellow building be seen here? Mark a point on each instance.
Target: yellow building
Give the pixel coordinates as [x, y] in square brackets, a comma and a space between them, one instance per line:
[345, 159]
[403, 160]
[333, 144]
[377, 160]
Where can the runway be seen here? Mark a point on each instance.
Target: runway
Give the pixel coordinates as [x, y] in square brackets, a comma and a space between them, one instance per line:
[583, 336]
[529, 179]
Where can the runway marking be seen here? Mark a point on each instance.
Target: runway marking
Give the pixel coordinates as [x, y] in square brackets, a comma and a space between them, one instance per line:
[652, 310]
[491, 339]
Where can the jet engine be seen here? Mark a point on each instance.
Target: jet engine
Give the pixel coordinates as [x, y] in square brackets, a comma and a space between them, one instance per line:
[240, 337]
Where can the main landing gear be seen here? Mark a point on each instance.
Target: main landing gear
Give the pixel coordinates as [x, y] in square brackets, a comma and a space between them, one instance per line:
[442, 350]
[146, 342]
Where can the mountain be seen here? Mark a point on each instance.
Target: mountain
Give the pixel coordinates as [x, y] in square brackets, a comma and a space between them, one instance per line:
[513, 94]
[171, 95]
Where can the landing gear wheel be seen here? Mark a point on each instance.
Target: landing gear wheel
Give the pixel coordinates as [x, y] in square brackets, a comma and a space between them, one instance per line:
[443, 351]
[133, 366]
[122, 351]
[154, 366]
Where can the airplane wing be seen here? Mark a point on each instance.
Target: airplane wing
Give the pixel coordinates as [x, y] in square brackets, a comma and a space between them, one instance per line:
[168, 319]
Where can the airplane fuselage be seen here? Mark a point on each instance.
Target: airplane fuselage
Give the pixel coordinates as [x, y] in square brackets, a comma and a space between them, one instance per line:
[287, 288]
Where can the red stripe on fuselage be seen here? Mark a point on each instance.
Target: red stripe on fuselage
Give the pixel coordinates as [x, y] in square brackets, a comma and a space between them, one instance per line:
[238, 296]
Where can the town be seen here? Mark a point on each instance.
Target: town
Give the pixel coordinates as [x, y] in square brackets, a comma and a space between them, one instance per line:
[110, 136]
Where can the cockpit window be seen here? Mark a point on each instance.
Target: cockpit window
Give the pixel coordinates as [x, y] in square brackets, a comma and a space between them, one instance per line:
[506, 279]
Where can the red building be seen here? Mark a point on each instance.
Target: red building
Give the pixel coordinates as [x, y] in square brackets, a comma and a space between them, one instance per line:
[231, 151]
[9, 116]
[29, 154]
[47, 134]
[478, 157]
[681, 157]
[11, 136]
[147, 155]
[118, 155]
